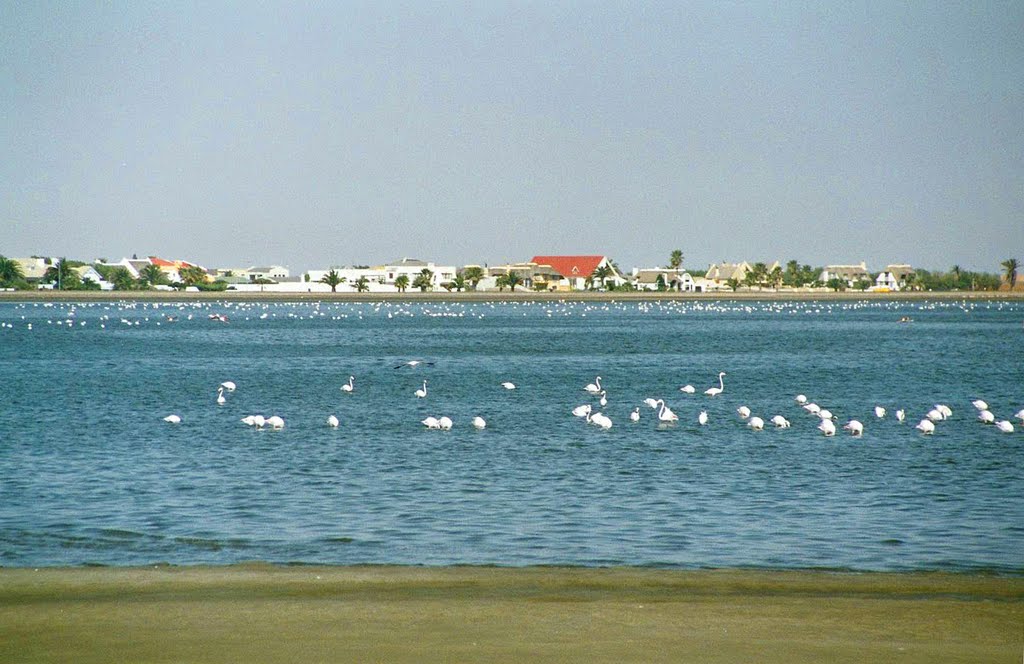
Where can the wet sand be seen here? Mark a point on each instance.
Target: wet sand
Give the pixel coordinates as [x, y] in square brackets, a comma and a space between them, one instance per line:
[263, 613]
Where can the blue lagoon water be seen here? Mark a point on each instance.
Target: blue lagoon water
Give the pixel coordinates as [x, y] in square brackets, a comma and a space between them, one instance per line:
[91, 474]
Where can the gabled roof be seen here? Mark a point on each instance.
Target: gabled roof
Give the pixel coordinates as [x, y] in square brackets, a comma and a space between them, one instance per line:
[570, 267]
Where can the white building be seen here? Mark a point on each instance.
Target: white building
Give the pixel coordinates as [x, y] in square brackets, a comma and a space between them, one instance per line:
[656, 278]
[849, 274]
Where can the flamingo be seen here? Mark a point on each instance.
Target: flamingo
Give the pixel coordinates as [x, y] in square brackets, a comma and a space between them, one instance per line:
[259, 421]
[986, 417]
[666, 414]
[275, 422]
[979, 404]
[689, 389]
[332, 422]
[220, 396]
[350, 386]
[935, 415]
[901, 415]
[827, 427]
[445, 423]
[926, 426]
[1004, 426]
[756, 423]
[944, 409]
[653, 403]
[780, 421]
[702, 419]
[595, 387]
[812, 408]
[1019, 414]
[826, 414]
[228, 385]
[173, 419]
[479, 422]
[715, 391]
[854, 427]
[604, 399]
[601, 420]
[508, 386]
[249, 420]
[635, 415]
[422, 392]
[581, 411]
[412, 364]
[431, 423]
[800, 399]
[744, 412]
[879, 412]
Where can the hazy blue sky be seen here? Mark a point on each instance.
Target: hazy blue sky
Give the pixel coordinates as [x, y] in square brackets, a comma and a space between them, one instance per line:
[234, 134]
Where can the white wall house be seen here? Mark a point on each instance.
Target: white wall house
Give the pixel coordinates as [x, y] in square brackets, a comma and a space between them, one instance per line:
[849, 274]
[649, 279]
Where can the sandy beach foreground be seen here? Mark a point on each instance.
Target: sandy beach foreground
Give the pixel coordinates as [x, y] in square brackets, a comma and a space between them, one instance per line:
[262, 613]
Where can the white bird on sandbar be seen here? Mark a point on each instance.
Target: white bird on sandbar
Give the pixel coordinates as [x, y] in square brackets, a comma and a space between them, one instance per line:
[422, 392]
[350, 385]
[595, 387]
[715, 391]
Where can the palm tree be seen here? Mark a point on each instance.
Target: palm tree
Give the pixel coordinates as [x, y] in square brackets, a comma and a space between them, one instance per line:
[675, 260]
[775, 277]
[1010, 264]
[121, 278]
[459, 282]
[402, 282]
[332, 279]
[152, 275]
[362, 284]
[601, 273]
[512, 279]
[423, 280]
[192, 275]
[10, 271]
[473, 275]
[63, 274]
[956, 275]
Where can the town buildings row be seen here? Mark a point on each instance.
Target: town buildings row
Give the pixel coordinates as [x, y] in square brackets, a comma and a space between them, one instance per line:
[543, 272]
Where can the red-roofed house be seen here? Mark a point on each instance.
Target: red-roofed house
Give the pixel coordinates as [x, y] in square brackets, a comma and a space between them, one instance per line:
[575, 270]
[172, 268]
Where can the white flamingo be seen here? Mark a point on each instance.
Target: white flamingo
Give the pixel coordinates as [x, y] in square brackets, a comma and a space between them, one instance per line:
[445, 423]
[826, 414]
[689, 389]
[854, 427]
[350, 385]
[595, 387]
[715, 391]
[604, 399]
[653, 403]
[508, 386]
[275, 422]
[944, 409]
[666, 414]
[1004, 426]
[635, 415]
[935, 415]
[986, 417]
[702, 419]
[479, 422]
[979, 404]
[827, 427]
[800, 399]
[812, 408]
[431, 423]
[228, 385]
[780, 421]
[879, 412]
[173, 419]
[220, 396]
[744, 412]
[756, 423]
[901, 415]
[1019, 414]
[333, 422]
[926, 426]
[422, 392]
[601, 420]
[582, 411]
